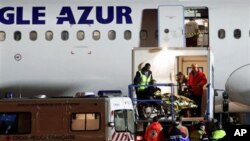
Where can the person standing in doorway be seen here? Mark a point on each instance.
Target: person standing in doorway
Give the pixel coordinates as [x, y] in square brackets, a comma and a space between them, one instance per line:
[196, 82]
[182, 82]
[192, 29]
[142, 78]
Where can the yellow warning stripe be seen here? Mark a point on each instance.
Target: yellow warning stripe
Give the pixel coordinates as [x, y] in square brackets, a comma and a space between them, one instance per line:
[196, 33]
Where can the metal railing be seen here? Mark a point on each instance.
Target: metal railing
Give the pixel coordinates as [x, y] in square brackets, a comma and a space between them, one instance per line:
[136, 101]
[132, 94]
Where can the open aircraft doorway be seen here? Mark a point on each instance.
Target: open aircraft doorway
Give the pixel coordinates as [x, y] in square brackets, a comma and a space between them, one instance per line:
[200, 16]
[149, 31]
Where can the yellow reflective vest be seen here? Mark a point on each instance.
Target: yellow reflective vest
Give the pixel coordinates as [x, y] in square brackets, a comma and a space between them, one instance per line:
[218, 134]
[144, 81]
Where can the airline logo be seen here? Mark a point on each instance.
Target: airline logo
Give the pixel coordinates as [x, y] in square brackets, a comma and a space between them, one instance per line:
[16, 15]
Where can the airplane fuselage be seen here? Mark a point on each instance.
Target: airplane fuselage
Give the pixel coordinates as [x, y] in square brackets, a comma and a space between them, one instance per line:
[65, 66]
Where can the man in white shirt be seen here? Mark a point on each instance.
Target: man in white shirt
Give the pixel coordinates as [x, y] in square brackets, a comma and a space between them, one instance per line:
[191, 33]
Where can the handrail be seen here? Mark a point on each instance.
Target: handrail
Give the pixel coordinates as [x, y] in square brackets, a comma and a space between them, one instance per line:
[130, 93]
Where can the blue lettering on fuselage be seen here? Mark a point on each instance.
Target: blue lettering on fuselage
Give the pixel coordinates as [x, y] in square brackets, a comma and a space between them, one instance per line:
[12, 15]
[85, 15]
[66, 15]
[19, 16]
[37, 13]
[88, 15]
[123, 11]
[9, 16]
[99, 15]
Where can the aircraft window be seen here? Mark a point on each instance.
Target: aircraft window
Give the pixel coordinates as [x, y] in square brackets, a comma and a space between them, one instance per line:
[17, 35]
[85, 121]
[237, 33]
[65, 35]
[2, 36]
[80, 35]
[127, 34]
[143, 35]
[33, 35]
[48, 35]
[221, 33]
[96, 35]
[111, 35]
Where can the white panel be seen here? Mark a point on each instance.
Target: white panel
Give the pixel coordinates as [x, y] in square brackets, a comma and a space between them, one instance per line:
[171, 26]
[210, 77]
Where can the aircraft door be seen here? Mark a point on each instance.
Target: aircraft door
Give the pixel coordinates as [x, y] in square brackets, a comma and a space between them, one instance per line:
[171, 26]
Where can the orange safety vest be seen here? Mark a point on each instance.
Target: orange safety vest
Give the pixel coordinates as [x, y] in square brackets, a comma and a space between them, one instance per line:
[153, 132]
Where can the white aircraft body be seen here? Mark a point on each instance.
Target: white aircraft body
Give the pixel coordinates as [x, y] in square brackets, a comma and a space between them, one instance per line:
[62, 47]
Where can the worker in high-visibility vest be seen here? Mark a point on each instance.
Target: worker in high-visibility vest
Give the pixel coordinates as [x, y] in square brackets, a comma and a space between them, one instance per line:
[154, 131]
[142, 79]
[219, 133]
